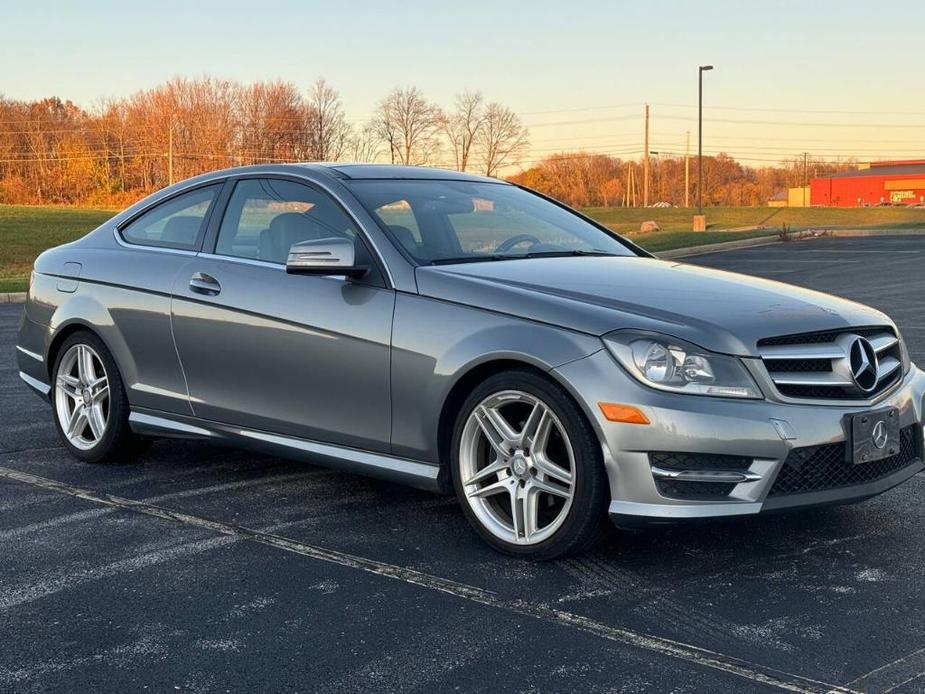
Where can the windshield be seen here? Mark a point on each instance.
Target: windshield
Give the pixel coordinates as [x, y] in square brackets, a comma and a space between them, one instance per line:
[462, 221]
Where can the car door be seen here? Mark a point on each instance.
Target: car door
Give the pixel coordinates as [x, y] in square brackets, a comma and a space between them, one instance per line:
[301, 355]
[134, 281]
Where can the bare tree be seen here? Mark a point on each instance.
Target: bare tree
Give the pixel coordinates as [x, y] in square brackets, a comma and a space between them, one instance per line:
[464, 125]
[328, 127]
[363, 145]
[502, 139]
[408, 124]
[272, 124]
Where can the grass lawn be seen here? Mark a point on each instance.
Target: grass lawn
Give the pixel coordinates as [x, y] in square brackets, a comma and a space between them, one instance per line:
[728, 219]
[669, 240]
[26, 231]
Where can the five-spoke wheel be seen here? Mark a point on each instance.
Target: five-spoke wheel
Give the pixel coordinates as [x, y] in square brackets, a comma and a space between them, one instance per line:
[90, 406]
[82, 396]
[527, 467]
[516, 465]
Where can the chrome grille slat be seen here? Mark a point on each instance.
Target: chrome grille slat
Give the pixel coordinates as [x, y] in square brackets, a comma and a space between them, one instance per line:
[887, 366]
[882, 343]
[810, 351]
[810, 378]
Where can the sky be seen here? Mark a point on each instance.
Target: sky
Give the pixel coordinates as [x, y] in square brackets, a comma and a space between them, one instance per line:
[837, 79]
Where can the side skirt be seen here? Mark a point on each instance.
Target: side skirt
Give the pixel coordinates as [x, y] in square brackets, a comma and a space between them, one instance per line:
[410, 472]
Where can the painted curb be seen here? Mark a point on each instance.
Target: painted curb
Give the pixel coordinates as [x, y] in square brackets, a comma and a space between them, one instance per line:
[12, 298]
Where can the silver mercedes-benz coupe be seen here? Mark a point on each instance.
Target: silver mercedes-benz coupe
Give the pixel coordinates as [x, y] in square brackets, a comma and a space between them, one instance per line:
[466, 335]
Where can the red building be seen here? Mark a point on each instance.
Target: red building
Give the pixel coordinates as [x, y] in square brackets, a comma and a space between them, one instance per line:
[890, 182]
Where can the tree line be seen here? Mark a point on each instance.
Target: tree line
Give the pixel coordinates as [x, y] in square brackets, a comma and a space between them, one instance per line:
[52, 151]
[584, 179]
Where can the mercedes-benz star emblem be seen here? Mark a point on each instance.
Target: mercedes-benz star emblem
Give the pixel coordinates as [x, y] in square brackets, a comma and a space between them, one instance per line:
[863, 362]
[879, 435]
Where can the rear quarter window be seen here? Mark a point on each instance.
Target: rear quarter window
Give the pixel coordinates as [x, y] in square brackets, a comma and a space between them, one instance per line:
[176, 223]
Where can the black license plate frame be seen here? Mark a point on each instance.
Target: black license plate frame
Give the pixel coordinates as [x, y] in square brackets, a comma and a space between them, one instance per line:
[864, 446]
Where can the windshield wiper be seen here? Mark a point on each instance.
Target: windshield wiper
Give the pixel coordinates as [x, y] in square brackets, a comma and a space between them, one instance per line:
[565, 254]
[520, 256]
[469, 259]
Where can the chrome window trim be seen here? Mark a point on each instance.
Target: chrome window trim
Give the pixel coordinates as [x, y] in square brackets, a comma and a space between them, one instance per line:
[242, 261]
[140, 247]
[296, 171]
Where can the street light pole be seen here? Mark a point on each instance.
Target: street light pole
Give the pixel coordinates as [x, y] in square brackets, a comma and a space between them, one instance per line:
[703, 68]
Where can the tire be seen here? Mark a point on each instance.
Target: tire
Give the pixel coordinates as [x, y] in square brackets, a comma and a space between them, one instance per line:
[505, 467]
[75, 387]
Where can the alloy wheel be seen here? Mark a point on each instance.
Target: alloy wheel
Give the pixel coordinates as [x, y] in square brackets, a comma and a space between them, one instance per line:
[517, 467]
[82, 396]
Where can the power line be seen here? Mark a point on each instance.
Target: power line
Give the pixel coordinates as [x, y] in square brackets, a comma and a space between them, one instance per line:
[796, 110]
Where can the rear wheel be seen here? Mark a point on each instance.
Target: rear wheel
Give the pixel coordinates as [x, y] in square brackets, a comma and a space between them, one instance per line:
[528, 468]
[91, 409]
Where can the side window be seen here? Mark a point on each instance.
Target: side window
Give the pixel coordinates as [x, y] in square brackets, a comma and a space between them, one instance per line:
[399, 218]
[265, 217]
[177, 223]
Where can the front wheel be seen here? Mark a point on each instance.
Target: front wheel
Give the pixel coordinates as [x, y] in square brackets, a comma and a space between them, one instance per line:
[528, 468]
[91, 409]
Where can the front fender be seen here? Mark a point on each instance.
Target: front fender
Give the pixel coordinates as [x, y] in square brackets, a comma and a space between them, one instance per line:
[436, 343]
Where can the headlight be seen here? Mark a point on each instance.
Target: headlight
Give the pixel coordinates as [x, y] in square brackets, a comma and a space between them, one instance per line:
[667, 363]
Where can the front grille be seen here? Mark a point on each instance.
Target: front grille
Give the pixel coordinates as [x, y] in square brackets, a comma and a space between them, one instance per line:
[817, 366]
[818, 468]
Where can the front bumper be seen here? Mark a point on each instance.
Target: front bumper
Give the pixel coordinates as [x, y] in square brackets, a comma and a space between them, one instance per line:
[764, 431]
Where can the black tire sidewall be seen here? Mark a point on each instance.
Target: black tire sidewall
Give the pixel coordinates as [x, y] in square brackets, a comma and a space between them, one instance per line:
[584, 521]
[117, 434]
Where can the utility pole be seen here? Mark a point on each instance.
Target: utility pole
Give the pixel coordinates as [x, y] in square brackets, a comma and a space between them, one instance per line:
[170, 154]
[645, 164]
[687, 172]
[629, 195]
[805, 179]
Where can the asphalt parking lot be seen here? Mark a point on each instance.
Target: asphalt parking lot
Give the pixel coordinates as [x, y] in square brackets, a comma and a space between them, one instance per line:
[198, 568]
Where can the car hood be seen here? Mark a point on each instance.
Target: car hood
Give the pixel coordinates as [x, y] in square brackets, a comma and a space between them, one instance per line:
[721, 311]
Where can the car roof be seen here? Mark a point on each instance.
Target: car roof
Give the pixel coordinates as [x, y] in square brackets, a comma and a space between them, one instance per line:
[380, 171]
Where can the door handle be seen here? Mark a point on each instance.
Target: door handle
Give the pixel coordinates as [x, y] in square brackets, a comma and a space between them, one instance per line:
[201, 283]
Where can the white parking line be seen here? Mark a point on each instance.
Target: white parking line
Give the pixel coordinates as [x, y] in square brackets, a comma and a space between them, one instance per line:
[788, 261]
[753, 672]
[893, 675]
[861, 251]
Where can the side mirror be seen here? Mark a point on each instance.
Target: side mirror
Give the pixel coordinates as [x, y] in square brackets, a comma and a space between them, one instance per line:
[334, 256]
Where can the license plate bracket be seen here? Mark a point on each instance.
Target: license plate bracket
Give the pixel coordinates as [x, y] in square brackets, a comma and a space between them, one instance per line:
[874, 435]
